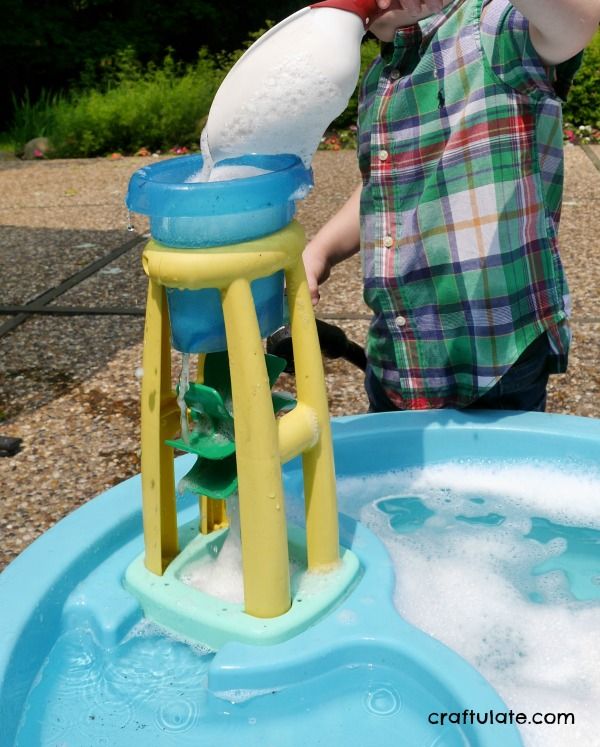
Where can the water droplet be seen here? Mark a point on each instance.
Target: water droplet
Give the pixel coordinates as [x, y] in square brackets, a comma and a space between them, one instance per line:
[176, 716]
[383, 700]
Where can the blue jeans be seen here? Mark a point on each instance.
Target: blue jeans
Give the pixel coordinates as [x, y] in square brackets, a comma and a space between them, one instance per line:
[523, 386]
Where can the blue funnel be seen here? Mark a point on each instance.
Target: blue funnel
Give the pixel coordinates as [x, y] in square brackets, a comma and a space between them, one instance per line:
[193, 215]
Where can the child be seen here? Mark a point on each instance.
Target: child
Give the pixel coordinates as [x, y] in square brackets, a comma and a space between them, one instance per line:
[460, 150]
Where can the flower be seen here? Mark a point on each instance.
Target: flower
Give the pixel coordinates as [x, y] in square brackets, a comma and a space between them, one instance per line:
[581, 135]
[339, 139]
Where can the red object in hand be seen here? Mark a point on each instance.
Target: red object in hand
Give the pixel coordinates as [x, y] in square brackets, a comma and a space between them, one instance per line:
[368, 10]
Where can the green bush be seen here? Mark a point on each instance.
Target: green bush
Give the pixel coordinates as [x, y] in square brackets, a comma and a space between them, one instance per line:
[158, 107]
[153, 108]
[33, 118]
[583, 103]
[368, 52]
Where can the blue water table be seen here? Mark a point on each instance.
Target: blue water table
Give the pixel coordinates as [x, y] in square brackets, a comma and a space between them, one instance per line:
[102, 642]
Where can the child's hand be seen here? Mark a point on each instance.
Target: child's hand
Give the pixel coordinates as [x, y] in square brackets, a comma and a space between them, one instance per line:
[414, 7]
[317, 268]
[395, 14]
[337, 240]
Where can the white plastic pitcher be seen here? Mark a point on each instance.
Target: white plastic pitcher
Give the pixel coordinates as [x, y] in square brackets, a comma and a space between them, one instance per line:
[286, 89]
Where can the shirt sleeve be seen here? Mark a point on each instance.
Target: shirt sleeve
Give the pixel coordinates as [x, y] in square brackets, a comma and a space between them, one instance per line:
[507, 45]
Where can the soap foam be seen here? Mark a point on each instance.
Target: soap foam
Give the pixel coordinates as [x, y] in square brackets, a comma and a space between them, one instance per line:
[222, 575]
[295, 93]
[468, 585]
[146, 628]
[226, 172]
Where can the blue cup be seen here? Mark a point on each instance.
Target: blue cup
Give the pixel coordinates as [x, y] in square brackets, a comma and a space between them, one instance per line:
[194, 215]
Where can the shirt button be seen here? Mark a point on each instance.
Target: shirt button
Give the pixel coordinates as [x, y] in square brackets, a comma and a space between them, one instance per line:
[394, 74]
[383, 155]
[388, 241]
[400, 321]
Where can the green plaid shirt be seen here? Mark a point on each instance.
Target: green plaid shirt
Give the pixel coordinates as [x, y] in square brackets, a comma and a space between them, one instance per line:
[460, 149]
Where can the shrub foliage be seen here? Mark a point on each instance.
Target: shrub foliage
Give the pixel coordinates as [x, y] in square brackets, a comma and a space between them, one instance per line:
[158, 106]
[583, 105]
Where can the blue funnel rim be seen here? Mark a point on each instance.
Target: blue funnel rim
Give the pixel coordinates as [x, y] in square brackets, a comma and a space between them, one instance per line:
[161, 190]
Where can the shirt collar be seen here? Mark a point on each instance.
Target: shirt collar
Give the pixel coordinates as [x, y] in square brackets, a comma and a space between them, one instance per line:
[420, 33]
[432, 23]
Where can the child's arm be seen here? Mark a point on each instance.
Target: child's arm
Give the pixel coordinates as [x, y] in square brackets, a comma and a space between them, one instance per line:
[560, 29]
[337, 240]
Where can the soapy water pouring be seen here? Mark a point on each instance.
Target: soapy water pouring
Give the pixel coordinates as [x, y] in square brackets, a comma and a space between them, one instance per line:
[282, 94]
[287, 88]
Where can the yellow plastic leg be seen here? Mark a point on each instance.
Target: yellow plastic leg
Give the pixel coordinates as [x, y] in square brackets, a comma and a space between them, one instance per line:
[322, 530]
[213, 514]
[262, 510]
[160, 420]
[200, 368]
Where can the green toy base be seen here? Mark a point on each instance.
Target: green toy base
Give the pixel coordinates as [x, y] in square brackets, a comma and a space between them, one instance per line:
[209, 621]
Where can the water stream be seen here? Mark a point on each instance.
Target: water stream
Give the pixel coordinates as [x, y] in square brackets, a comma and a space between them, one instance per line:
[182, 388]
[221, 576]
